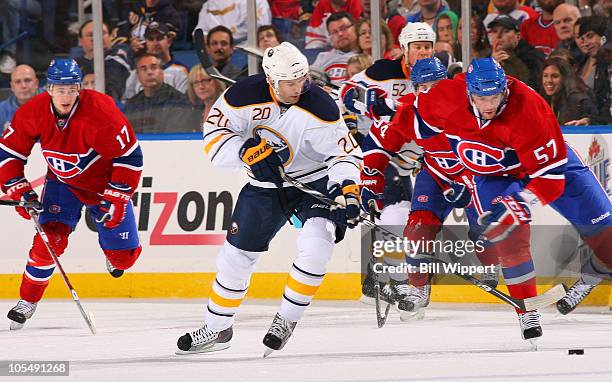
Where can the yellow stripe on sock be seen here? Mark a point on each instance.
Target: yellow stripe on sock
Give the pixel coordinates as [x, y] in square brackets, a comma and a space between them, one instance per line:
[225, 302]
[301, 288]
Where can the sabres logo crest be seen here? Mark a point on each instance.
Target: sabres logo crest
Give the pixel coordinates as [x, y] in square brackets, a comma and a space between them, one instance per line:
[277, 142]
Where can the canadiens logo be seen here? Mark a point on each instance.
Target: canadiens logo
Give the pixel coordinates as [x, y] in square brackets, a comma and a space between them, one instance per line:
[69, 165]
[446, 160]
[480, 158]
[277, 142]
[423, 198]
[336, 72]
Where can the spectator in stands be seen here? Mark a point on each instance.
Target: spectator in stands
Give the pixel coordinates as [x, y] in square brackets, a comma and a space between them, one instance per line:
[24, 86]
[596, 39]
[9, 17]
[89, 80]
[268, 36]
[539, 31]
[518, 58]
[567, 95]
[364, 40]
[317, 33]
[512, 8]
[430, 9]
[564, 18]
[392, 17]
[341, 29]
[202, 93]
[142, 15]
[220, 47]
[158, 107]
[116, 66]
[358, 63]
[159, 39]
[478, 37]
[445, 27]
[233, 15]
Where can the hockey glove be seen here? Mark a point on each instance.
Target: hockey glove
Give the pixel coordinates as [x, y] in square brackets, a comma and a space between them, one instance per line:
[347, 197]
[114, 205]
[507, 214]
[372, 189]
[19, 189]
[353, 96]
[378, 104]
[457, 195]
[264, 162]
[351, 122]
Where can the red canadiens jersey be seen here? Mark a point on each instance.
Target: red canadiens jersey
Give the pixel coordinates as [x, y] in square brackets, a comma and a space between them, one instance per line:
[524, 140]
[95, 145]
[439, 158]
[539, 34]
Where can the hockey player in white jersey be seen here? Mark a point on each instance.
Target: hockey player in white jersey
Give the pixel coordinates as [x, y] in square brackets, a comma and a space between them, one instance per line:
[389, 80]
[274, 124]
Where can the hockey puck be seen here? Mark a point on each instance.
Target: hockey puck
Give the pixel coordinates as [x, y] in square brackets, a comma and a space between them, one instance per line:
[575, 351]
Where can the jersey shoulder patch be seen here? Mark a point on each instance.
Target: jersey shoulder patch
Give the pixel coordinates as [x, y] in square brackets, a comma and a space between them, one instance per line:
[318, 103]
[248, 91]
[385, 69]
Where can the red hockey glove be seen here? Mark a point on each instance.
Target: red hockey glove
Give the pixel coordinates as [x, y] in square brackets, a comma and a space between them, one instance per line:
[19, 189]
[510, 212]
[114, 205]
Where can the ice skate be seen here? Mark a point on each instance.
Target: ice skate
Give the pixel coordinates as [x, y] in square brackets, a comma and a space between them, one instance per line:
[531, 329]
[22, 312]
[112, 270]
[278, 334]
[204, 340]
[413, 302]
[574, 296]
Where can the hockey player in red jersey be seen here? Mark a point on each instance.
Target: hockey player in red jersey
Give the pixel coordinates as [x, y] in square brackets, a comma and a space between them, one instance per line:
[506, 134]
[93, 159]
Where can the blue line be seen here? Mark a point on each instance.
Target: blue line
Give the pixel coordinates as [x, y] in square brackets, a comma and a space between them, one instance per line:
[595, 129]
[170, 137]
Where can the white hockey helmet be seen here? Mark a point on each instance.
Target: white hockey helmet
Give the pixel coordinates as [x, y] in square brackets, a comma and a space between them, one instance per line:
[284, 62]
[413, 32]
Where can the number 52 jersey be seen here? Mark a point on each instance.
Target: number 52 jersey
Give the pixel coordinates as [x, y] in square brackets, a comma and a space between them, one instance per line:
[309, 136]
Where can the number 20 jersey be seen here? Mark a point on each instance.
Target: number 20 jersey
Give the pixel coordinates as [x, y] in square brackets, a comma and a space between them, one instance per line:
[95, 145]
[310, 138]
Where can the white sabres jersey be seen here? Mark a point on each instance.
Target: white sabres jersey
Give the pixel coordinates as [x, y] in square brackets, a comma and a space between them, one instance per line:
[309, 136]
[394, 77]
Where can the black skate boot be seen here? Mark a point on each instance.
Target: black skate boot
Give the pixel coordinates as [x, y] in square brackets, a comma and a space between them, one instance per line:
[278, 334]
[413, 301]
[22, 312]
[204, 340]
[574, 296]
[112, 270]
[530, 327]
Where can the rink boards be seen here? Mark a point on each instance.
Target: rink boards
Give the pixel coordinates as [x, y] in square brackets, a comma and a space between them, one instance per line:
[184, 204]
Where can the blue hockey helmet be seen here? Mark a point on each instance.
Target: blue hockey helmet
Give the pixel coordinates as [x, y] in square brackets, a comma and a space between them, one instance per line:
[427, 70]
[64, 71]
[485, 77]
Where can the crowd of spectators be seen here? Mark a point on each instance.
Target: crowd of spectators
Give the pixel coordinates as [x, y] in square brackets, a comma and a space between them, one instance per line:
[562, 51]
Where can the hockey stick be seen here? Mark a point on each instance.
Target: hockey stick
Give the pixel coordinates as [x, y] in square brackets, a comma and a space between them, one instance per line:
[381, 318]
[200, 48]
[531, 303]
[43, 235]
[19, 203]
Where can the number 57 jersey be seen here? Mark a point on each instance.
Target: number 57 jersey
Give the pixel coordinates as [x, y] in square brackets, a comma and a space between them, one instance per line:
[93, 146]
[309, 136]
[523, 140]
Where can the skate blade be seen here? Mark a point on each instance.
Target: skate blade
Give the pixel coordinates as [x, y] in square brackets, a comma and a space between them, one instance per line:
[367, 300]
[533, 343]
[207, 349]
[411, 316]
[15, 325]
[267, 352]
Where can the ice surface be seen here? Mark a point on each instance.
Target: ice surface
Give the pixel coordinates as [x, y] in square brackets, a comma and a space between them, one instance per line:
[335, 341]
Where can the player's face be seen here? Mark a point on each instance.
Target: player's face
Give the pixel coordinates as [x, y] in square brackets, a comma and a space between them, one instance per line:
[425, 86]
[487, 105]
[290, 90]
[64, 97]
[342, 34]
[418, 50]
[551, 80]
[564, 21]
[445, 30]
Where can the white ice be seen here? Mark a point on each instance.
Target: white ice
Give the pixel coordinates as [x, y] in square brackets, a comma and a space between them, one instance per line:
[335, 341]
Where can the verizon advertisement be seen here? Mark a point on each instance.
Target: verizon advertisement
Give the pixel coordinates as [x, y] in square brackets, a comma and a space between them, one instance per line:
[184, 205]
